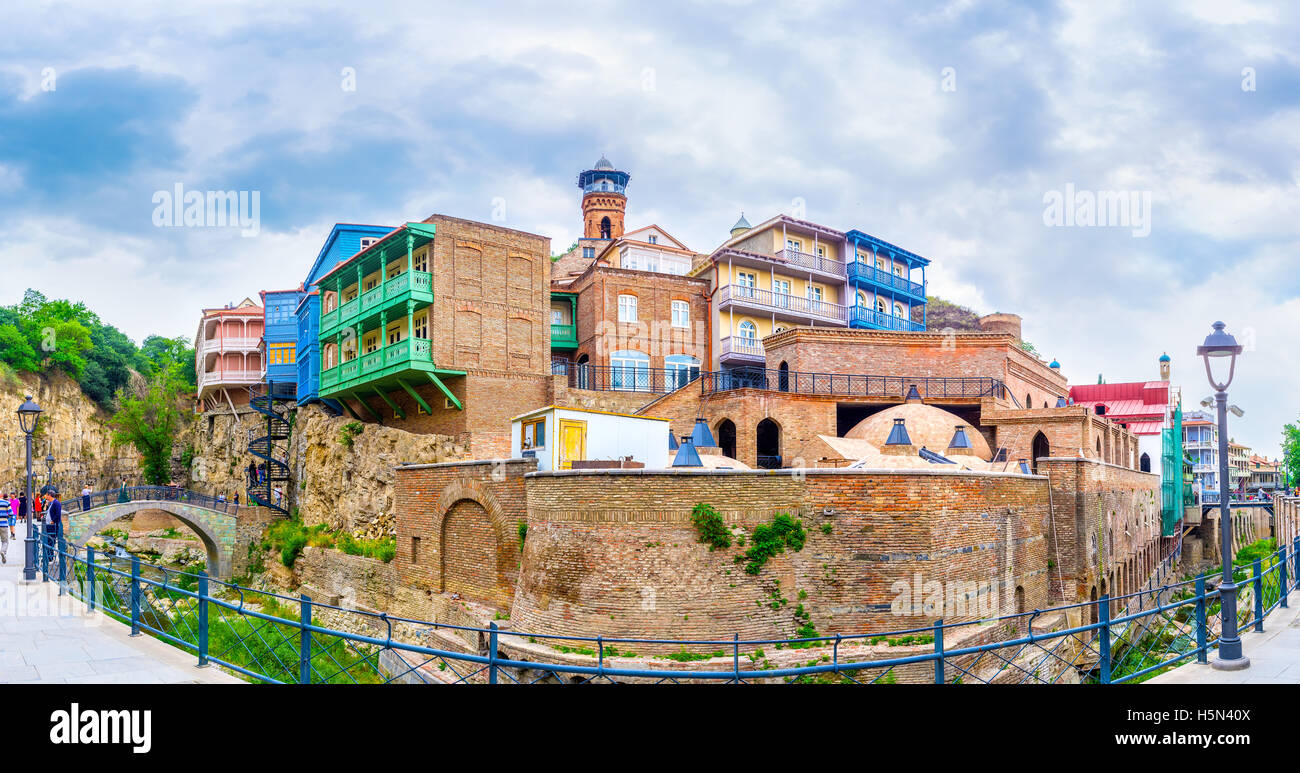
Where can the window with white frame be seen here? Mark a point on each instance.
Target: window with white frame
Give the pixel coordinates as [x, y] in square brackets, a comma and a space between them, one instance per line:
[899, 311]
[814, 293]
[793, 244]
[627, 308]
[366, 241]
[652, 239]
[746, 281]
[682, 369]
[681, 314]
[630, 369]
[557, 317]
[748, 330]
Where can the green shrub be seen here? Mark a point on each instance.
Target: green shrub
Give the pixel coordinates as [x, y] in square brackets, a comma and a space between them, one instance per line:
[348, 432]
[770, 539]
[709, 526]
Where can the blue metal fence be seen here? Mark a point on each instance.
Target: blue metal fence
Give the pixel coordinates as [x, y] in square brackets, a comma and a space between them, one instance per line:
[276, 638]
[73, 504]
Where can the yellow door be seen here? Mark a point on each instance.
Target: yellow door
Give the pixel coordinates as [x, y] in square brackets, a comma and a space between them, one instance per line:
[573, 442]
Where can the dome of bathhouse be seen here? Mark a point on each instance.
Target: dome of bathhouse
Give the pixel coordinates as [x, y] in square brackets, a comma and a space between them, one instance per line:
[928, 426]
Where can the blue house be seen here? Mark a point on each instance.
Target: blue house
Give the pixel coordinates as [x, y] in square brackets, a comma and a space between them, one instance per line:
[886, 295]
[280, 336]
[344, 241]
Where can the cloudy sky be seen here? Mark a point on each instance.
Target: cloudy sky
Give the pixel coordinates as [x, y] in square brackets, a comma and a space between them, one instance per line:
[942, 128]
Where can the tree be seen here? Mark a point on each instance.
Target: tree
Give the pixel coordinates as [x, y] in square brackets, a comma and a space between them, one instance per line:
[1291, 453]
[149, 421]
[941, 314]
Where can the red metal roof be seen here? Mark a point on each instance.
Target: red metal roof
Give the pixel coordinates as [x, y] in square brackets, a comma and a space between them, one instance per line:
[1136, 403]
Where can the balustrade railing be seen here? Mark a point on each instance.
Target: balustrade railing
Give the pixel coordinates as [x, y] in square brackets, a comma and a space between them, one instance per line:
[74, 504]
[269, 637]
[845, 384]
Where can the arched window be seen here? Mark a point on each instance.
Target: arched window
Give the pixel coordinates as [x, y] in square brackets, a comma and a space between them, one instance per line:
[748, 330]
[1037, 448]
[630, 369]
[1098, 448]
[862, 298]
[898, 310]
[726, 436]
[1145, 463]
[605, 228]
[881, 306]
[768, 437]
[783, 376]
[682, 370]
[1029, 400]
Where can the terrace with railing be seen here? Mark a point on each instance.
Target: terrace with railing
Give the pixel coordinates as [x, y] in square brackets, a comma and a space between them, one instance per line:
[865, 315]
[861, 272]
[782, 304]
[829, 266]
[850, 385]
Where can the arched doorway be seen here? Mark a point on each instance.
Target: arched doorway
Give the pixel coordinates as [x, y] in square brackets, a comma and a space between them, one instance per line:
[783, 377]
[469, 552]
[1145, 463]
[768, 437]
[726, 435]
[605, 228]
[1039, 447]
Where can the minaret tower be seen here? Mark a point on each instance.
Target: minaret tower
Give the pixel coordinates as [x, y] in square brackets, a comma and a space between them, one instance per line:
[1164, 366]
[604, 200]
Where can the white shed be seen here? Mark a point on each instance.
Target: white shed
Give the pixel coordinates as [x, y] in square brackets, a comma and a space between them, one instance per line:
[560, 436]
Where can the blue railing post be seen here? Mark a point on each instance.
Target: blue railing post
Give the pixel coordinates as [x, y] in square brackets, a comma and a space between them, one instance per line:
[1258, 583]
[735, 655]
[1295, 551]
[135, 595]
[304, 641]
[1103, 639]
[938, 651]
[492, 653]
[63, 564]
[90, 579]
[1281, 576]
[203, 618]
[1202, 626]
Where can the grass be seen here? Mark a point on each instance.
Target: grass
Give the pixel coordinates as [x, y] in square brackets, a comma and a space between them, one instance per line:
[289, 537]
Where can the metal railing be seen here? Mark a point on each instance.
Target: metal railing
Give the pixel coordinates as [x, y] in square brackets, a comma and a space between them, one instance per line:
[860, 271]
[869, 316]
[614, 378]
[849, 384]
[781, 303]
[73, 504]
[742, 348]
[814, 262]
[276, 638]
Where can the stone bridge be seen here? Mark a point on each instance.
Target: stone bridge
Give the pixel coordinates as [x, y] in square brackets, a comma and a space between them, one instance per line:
[216, 529]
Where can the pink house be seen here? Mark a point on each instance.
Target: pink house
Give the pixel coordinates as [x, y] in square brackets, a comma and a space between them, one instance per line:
[227, 356]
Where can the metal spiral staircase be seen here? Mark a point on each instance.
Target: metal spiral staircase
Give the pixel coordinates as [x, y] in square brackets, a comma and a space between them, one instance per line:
[271, 447]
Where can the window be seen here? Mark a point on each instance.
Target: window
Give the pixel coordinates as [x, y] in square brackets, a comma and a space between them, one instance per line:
[881, 306]
[781, 293]
[588, 252]
[898, 310]
[821, 251]
[394, 333]
[747, 282]
[898, 270]
[627, 308]
[421, 326]
[862, 298]
[372, 283]
[533, 434]
[420, 261]
[371, 343]
[682, 370]
[814, 293]
[748, 330]
[557, 317]
[652, 239]
[681, 314]
[367, 241]
[630, 370]
[794, 244]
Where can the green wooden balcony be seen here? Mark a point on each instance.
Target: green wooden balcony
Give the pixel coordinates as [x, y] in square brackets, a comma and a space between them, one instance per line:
[403, 365]
[391, 295]
[564, 336]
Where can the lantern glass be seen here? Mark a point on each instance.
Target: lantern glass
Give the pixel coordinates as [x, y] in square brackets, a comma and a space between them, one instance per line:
[1220, 352]
[28, 415]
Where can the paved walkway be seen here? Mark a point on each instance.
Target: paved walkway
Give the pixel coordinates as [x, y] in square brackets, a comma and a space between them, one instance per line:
[1274, 655]
[50, 639]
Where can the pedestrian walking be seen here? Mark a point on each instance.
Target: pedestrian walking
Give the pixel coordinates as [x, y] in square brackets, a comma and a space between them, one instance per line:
[13, 506]
[85, 498]
[252, 473]
[122, 495]
[6, 530]
[22, 506]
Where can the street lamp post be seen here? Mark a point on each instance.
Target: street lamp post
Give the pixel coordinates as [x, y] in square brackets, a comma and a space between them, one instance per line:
[1219, 347]
[29, 413]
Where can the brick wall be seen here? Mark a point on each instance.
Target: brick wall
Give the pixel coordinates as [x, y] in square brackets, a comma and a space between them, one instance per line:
[457, 531]
[614, 553]
[1105, 531]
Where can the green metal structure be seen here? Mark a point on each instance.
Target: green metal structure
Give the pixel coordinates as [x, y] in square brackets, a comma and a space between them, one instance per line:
[377, 288]
[1173, 486]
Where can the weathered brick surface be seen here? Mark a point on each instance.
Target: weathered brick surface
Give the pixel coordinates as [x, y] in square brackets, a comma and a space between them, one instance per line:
[457, 530]
[614, 553]
[1105, 533]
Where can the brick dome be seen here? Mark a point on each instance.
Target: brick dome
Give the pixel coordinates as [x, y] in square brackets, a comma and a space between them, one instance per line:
[927, 426]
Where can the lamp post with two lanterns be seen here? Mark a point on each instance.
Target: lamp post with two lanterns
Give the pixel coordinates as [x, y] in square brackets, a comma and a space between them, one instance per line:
[29, 414]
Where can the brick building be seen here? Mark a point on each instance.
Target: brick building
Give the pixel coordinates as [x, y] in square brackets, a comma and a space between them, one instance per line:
[625, 314]
[440, 327]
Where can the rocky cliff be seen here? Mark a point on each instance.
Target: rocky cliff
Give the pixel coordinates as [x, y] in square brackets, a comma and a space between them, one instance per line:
[347, 486]
[72, 428]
